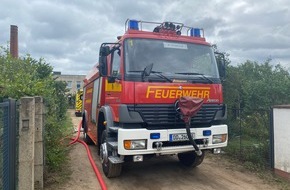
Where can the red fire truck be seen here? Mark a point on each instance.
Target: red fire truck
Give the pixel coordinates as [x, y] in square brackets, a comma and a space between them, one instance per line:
[131, 96]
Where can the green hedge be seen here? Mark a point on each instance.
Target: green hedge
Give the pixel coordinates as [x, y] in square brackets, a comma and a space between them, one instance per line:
[27, 76]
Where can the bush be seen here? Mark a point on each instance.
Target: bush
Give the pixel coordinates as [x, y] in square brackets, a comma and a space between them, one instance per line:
[29, 77]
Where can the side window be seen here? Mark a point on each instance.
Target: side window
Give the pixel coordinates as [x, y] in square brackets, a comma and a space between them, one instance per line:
[116, 63]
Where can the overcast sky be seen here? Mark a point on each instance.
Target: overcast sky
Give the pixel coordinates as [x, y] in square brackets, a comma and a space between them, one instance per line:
[68, 33]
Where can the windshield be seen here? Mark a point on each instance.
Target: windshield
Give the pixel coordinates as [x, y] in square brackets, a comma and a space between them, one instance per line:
[173, 59]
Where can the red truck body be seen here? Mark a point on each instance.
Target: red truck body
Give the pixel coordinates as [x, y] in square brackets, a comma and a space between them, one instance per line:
[130, 96]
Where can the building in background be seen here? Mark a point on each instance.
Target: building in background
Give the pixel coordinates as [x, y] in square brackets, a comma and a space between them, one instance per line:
[74, 82]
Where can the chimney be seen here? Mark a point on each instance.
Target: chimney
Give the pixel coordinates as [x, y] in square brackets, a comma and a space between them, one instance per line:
[14, 41]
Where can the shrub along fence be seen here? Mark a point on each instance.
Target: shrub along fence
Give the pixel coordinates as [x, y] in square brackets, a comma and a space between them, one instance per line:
[249, 136]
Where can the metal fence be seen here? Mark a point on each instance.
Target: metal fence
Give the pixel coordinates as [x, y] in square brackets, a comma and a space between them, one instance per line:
[250, 136]
[8, 144]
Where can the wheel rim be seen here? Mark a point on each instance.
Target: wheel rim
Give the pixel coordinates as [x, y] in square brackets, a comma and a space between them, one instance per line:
[104, 153]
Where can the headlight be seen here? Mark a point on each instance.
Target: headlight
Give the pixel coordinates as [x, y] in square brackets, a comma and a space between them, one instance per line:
[219, 138]
[135, 144]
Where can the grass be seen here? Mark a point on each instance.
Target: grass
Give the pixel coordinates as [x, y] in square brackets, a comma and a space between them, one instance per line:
[61, 173]
[249, 150]
[253, 156]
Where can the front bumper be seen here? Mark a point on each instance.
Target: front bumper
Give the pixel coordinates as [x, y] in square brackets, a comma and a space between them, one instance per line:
[170, 148]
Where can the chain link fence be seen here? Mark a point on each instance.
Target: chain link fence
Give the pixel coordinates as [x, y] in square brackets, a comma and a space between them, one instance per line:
[249, 136]
[8, 144]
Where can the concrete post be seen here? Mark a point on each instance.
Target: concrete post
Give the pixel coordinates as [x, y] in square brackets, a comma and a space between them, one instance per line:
[38, 143]
[26, 143]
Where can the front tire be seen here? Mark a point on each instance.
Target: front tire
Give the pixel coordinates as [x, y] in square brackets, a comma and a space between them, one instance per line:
[110, 169]
[86, 138]
[190, 159]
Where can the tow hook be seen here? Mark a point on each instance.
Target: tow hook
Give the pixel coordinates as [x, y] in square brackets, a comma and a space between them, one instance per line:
[159, 145]
[198, 152]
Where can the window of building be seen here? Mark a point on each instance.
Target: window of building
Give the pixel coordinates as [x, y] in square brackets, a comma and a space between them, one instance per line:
[79, 85]
[69, 84]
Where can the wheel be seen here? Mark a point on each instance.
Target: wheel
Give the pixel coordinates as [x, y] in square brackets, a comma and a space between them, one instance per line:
[84, 122]
[78, 114]
[87, 139]
[110, 169]
[190, 159]
[100, 140]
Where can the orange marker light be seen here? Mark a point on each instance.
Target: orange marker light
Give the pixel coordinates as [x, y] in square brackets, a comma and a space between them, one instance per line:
[127, 144]
[224, 137]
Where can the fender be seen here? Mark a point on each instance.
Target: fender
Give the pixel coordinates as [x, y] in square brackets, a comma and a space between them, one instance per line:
[126, 116]
[106, 110]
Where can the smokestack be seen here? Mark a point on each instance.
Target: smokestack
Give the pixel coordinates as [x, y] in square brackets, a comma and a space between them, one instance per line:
[14, 41]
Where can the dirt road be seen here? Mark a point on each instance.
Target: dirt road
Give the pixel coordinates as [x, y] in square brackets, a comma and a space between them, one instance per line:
[160, 174]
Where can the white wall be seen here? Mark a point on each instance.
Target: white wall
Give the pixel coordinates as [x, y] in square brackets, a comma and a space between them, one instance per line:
[73, 78]
[281, 121]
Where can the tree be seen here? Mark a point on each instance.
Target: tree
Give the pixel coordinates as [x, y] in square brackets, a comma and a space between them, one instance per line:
[259, 85]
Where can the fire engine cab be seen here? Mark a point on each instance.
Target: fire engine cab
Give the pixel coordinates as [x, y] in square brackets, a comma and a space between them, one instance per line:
[130, 98]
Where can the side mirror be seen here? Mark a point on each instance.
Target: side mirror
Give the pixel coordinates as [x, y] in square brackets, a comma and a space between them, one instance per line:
[220, 59]
[104, 52]
[103, 68]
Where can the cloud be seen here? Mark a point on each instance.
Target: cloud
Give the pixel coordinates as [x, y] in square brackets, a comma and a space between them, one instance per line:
[68, 33]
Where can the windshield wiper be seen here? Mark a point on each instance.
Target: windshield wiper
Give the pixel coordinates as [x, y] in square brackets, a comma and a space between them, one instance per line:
[159, 74]
[148, 70]
[200, 74]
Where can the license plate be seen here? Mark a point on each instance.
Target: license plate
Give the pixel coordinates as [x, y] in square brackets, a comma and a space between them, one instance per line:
[179, 137]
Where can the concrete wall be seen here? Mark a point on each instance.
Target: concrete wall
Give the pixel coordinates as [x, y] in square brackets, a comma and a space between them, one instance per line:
[31, 158]
[281, 140]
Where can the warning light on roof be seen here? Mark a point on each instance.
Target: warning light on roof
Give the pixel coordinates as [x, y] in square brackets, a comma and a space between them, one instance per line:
[195, 32]
[165, 28]
[133, 25]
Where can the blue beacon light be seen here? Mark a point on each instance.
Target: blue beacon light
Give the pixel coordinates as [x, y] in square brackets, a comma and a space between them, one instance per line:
[133, 24]
[195, 32]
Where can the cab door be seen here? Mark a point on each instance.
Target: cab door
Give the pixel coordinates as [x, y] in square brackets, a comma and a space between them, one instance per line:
[113, 84]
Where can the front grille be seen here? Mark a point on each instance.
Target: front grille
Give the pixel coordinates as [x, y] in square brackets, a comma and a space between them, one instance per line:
[164, 115]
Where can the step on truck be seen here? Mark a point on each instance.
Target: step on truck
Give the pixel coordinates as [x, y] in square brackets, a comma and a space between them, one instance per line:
[131, 97]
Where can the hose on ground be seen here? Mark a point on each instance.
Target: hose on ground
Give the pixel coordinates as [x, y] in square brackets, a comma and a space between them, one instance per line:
[96, 170]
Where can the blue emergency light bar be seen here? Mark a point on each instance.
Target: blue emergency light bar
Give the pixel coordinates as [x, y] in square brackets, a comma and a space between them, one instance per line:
[195, 32]
[133, 25]
[168, 28]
